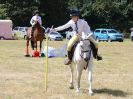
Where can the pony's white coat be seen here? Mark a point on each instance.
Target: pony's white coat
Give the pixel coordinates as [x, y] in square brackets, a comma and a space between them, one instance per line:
[80, 63]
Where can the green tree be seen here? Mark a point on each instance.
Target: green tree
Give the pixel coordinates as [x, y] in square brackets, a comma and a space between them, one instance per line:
[3, 13]
[55, 11]
[19, 11]
[106, 13]
[99, 13]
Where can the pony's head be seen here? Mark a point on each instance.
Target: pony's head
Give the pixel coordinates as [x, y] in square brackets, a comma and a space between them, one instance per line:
[85, 44]
[85, 49]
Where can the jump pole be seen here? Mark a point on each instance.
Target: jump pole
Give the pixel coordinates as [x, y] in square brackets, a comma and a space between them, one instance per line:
[46, 66]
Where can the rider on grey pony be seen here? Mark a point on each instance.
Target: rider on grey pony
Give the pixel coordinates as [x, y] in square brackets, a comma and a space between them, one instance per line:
[81, 28]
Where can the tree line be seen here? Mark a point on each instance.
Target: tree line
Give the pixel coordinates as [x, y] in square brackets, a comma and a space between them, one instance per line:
[98, 13]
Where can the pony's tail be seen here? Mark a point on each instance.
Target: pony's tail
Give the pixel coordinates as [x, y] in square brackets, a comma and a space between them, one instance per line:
[32, 44]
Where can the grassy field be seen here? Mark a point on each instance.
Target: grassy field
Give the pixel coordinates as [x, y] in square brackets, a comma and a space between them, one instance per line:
[23, 78]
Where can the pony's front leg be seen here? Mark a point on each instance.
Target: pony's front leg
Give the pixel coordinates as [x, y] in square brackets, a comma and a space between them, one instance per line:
[32, 45]
[27, 48]
[79, 73]
[71, 86]
[35, 44]
[40, 46]
[90, 66]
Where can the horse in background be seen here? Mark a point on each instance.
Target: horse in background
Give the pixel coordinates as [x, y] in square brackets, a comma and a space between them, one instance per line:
[83, 59]
[38, 35]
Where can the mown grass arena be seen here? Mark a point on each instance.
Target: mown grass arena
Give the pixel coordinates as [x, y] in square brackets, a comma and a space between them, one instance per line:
[24, 77]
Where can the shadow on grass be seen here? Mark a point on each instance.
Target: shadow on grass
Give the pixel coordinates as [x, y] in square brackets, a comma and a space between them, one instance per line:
[113, 92]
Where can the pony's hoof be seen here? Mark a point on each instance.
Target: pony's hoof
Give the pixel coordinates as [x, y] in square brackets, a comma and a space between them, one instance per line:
[77, 91]
[71, 87]
[27, 55]
[91, 93]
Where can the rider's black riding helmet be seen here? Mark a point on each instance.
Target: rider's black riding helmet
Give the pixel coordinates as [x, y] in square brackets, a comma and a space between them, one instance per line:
[74, 12]
[35, 12]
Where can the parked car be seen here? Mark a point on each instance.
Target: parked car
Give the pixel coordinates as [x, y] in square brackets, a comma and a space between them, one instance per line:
[5, 29]
[20, 31]
[69, 34]
[108, 35]
[55, 36]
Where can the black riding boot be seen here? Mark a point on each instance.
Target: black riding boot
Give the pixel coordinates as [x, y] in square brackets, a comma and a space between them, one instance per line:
[69, 60]
[95, 52]
[98, 57]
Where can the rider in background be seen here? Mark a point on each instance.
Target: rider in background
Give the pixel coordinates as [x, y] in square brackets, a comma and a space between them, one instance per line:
[131, 34]
[81, 28]
[35, 18]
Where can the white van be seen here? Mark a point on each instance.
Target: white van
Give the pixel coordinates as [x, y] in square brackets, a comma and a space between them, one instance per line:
[5, 29]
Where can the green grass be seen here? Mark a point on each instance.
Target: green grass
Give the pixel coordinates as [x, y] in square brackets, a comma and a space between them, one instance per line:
[24, 78]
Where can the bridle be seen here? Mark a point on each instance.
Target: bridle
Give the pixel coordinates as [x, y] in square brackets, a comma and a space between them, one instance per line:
[85, 51]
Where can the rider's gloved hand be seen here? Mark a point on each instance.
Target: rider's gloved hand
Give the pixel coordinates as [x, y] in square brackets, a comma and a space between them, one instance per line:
[52, 30]
[47, 30]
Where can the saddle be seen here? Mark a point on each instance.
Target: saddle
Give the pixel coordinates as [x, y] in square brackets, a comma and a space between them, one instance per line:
[93, 48]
